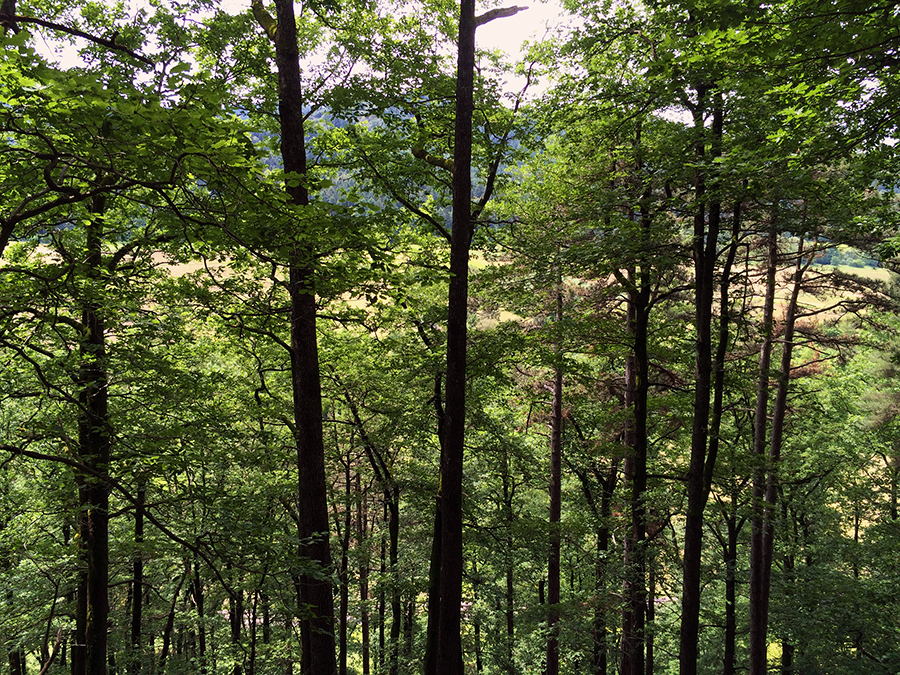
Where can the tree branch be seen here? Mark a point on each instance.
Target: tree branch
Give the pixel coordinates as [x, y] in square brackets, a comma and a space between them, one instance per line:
[498, 13]
[11, 20]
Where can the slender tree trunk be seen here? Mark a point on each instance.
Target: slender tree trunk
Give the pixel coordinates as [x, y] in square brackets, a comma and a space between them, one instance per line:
[730, 640]
[649, 663]
[169, 628]
[315, 600]
[476, 622]
[553, 564]
[700, 468]
[94, 449]
[779, 413]
[449, 648]
[382, 601]
[362, 517]
[758, 614]
[236, 619]
[637, 375]
[508, 659]
[137, 584]
[434, 568]
[634, 588]
[607, 485]
[396, 604]
[16, 661]
[253, 627]
[344, 598]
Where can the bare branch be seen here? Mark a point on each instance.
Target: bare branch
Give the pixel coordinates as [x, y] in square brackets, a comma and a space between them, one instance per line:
[498, 13]
[8, 20]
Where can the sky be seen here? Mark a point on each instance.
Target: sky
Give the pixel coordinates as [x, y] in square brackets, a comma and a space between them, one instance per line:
[532, 24]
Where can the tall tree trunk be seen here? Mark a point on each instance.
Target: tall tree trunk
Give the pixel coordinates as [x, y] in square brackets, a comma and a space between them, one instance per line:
[637, 376]
[16, 661]
[169, 627]
[236, 618]
[434, 567]
[362, 517]
[763, 576]
[382, 601]
[195, 589]
[344, 575]
[94, 449]
[607, 485]
[315, 601]
[393, 508]
[634, 587]
[758, 617]
[553, 563]
[449, 648]
[649, 662]
[137, 584]
[700, 468]
[730, 551]
[508, 655]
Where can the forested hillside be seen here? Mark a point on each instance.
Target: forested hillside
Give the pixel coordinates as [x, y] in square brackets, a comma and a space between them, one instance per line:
[324, 349]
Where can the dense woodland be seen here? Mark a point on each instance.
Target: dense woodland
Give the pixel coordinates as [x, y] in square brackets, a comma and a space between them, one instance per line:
[327, 346]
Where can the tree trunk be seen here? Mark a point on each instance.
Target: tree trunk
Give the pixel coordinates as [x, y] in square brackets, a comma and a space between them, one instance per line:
[449, 648]
[508, 664]
[434, 567]
[393, 558]
[344, 576]
[730, 552]
[634, 588]
[195, 589]
[779, 412]
[603, 514]
[758, 613]
[16, 661]
[637, 376]
[137, 592]
[553, 563]
[170, 625]
[362, 517]
[94, 450]
[706, 234]
[236, 618]
[315, 602]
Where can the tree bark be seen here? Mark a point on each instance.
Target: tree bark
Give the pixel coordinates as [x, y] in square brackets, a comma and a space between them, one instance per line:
[362, 517]
[137, 592]
[553, 564]
[94, 449]
[758, 613]
[449, 648]
[706, 234]
[315, 603]
[434, 567]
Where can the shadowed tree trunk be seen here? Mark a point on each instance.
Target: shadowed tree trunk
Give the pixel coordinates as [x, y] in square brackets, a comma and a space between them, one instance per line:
[765, 488]
[89, 655]
[315, 602]
[704, 439]
[137, 589]
[758, 618]
[449, 647]
[553, 563]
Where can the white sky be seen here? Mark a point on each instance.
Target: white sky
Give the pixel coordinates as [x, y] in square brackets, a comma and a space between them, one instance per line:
[532, 24]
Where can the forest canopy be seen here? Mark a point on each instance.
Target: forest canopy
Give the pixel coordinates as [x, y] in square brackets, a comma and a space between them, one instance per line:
[326, 350]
